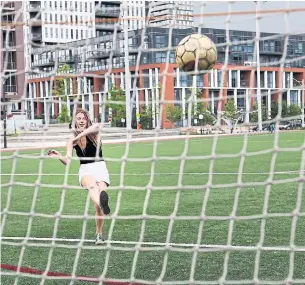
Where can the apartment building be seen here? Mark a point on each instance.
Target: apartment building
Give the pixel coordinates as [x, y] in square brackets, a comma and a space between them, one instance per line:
[103, 66]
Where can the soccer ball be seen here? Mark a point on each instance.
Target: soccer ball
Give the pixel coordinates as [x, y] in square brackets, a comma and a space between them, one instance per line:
[191, 47]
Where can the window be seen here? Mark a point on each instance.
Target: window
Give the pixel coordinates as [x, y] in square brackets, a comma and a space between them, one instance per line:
[51, 32]
[67, 33]
[146, 78]
[160, 41]
[293, 97]
[55, 18]
[160, 57]
[62, 33]
[46, 31]
[178, 97]
[81, 34]
[199, 80]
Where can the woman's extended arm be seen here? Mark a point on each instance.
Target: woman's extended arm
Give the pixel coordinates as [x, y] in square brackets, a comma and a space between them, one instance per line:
[92, 129]
[64, 159]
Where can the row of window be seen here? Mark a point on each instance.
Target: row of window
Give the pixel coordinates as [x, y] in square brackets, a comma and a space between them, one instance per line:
[81, 6]
[67, 33]
[64, 18]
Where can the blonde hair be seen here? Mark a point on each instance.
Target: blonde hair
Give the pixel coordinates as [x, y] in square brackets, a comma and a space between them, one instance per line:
[82, 142]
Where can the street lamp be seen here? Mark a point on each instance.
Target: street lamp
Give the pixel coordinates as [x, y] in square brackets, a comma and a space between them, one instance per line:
[259, 97]
[4, 114]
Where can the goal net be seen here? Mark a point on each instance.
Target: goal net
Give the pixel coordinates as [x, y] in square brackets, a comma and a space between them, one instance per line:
[207, 167]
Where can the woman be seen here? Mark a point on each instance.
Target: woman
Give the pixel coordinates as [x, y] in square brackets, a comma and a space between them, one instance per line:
[93, 172]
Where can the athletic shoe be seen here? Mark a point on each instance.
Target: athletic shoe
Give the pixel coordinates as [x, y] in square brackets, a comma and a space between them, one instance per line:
[104, 202]
[99, 239]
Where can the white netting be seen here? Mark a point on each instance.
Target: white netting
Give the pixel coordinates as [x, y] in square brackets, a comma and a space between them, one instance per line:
[190, 205]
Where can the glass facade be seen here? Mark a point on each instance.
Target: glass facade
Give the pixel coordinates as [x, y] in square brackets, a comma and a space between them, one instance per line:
[156, 47]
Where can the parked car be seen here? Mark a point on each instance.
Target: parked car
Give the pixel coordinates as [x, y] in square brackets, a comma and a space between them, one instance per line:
[284, 125]
[265, 127]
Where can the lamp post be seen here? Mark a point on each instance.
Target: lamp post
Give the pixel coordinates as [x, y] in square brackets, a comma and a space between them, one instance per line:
[259, 97]
[4, 115]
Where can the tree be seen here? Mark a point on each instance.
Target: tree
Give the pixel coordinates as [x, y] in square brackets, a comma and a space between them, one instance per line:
[146, 118]
[230, 110]
[173, 113]
[59, 91]
[64, 116]
[294, 110]
[59, 83]
[275, 109]
[117, 105]
[254, 115]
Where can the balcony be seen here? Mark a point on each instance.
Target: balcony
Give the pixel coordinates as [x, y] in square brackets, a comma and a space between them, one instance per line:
[107, 12]
[69, 59]
[7, 66]
[271, 51]
[9, 6]
[46, 62]
[159, 7]
[102, 54]
[8, 24]
[10, 45]
[34, 7]
[35, 37]
[10, 90]
[110, 2]
[101, 25]
[34, 22]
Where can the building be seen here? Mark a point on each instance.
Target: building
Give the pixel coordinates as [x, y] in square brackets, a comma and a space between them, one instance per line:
[134, 12]
[12, 55]
[28, 25]
[103, 64]
[170, 13]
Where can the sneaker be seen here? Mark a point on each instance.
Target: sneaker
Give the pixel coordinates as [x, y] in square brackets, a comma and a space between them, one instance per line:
[104, 202]
[99, 239]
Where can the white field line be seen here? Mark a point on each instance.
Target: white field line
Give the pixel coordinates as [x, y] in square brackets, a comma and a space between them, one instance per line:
[165, 173]
[156, 244]
[133, 140]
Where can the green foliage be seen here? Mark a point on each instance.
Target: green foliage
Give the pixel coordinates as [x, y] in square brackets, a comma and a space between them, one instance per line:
[287, 111]
[230, 110]
[254, 116]
[173, 113]
[294, 110]
[146, 118]
[275, 109]
[64, 116]
[118, 105]
[59, 83]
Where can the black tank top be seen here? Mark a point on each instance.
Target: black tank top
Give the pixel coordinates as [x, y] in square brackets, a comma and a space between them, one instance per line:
[89, 152]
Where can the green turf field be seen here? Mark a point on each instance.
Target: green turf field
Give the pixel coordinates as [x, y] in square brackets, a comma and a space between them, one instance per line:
[176, 264]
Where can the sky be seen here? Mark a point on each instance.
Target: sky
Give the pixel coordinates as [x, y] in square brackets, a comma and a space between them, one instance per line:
[272, 23]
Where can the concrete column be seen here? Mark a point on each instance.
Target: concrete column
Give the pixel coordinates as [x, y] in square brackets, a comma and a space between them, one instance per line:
[238, 78]
[248, 100]
[273, 79]
[235, 97]
[269, 103]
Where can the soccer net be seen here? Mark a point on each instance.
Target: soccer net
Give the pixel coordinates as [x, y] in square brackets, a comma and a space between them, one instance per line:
[207, 167]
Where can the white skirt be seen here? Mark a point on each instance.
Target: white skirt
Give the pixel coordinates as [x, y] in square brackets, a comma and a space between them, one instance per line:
[97, 169]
